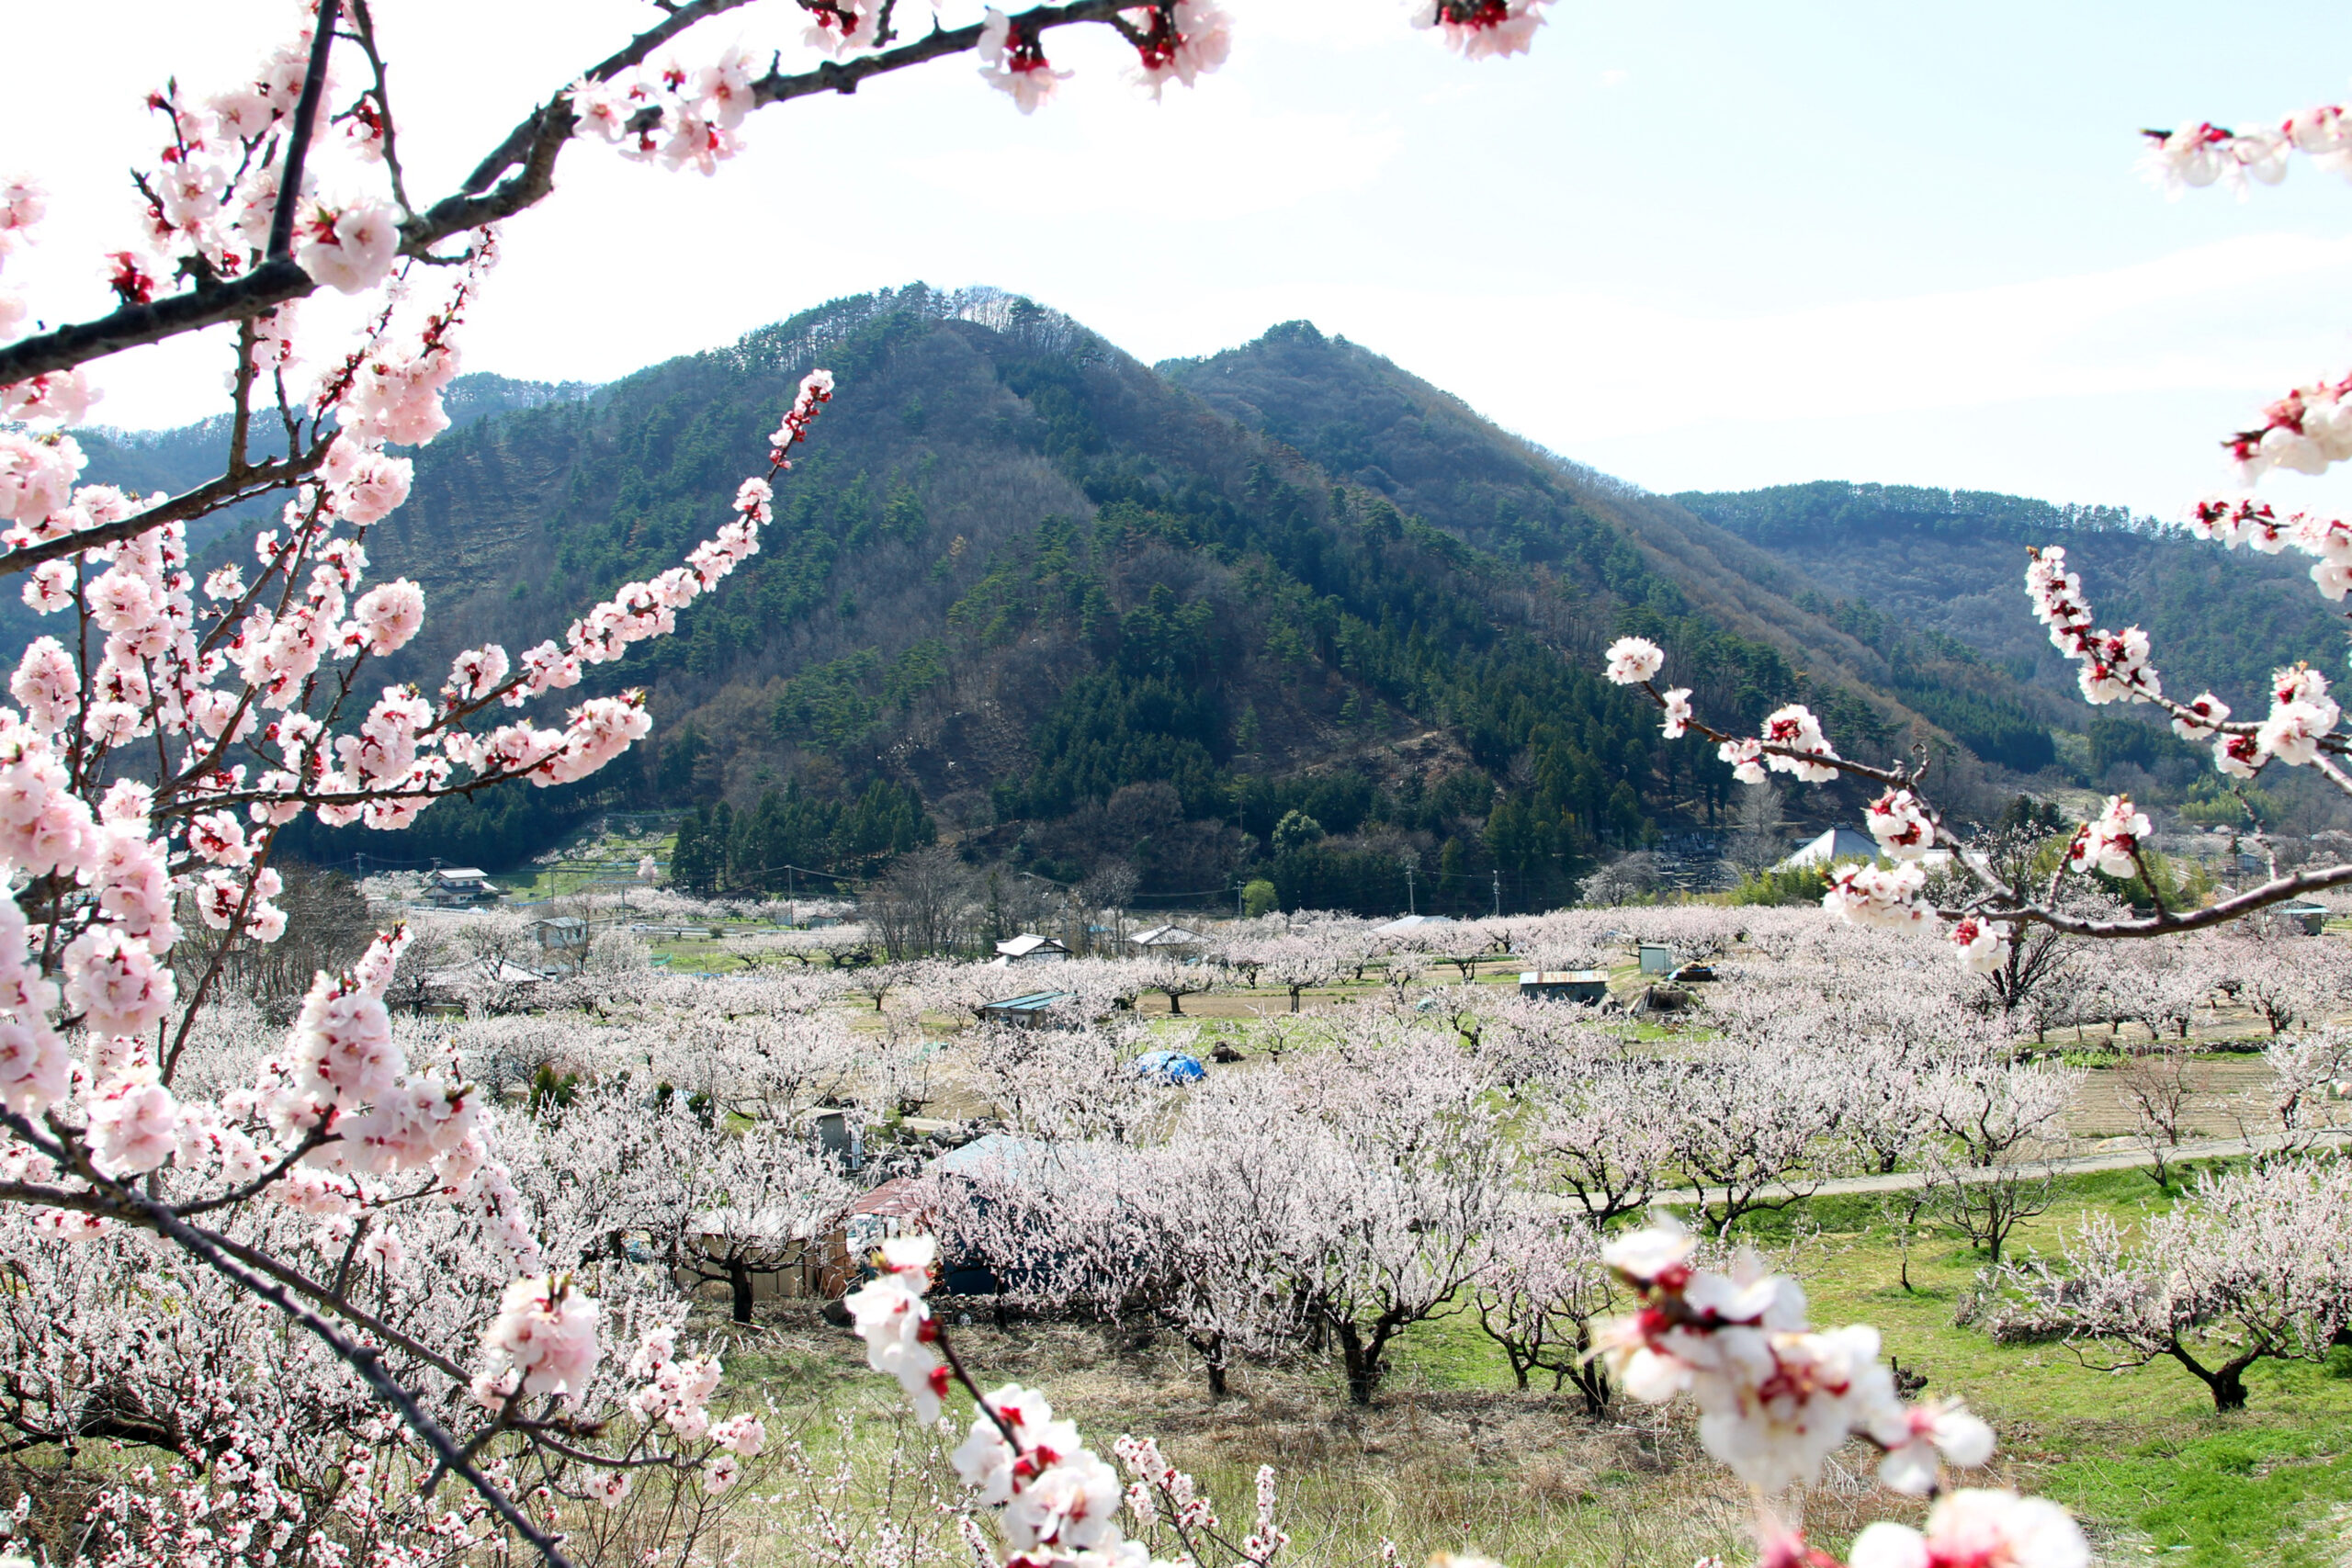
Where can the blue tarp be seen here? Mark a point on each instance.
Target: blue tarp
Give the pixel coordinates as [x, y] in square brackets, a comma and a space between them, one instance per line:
[1169, 1066]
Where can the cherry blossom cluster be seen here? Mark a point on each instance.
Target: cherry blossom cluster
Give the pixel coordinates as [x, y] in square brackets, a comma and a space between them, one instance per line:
[676, 1393]
[1478, 28]
[2304, 432]
[1776, 1397]
[1013, 61]
[1886, 898]
[680, 116]
[1056, 1502]
[892, 1315]
[2311, 427]
[543, 1342]
[1160, 1494]
[2202, 155]
[2113, 665]
[212, 194]
[2110, 842]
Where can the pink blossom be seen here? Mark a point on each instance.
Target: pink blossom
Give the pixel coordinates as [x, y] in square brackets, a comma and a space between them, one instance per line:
[545, 1335]
[1982, 946]
[2199, 155]
[390, 615]
[45, 684]
[1867, 895]
[134, 1123]
[476, 672]
[1482, 29]
[350, 249]
[374, 489]
[841, 26]
[988, 1465]
[1918, 1438]
[1015, 63]
[2110, 841]
[35, 1067]
[1795, 727]
[1678, 713]
[61, 396]
[1182, 43]
[340, 1053]
[1071, 1507]
[1634, 660]
[1745, 757]
[36, 474]
[743, 1435]
[2239, 756]
[115, 983]
[1898, 819]
[2206, 715]
[891, 1315]
[50, 587]
[1977, 1529]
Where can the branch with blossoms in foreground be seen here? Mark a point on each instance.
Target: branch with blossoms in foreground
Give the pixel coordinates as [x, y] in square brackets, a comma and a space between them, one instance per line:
[229, 157]
[1775, 1398]
[337, 1126]
[2307, 431]
[2112, 667]
[2310, 428]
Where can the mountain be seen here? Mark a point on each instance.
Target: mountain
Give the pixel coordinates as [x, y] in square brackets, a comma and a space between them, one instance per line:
[1900, 567]
[1283, 612]
[1341, 405]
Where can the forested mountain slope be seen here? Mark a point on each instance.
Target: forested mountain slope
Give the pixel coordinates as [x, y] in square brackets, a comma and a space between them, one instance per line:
[1026, 591]
[1954, 562]
[1287, 612]
[1360, 415]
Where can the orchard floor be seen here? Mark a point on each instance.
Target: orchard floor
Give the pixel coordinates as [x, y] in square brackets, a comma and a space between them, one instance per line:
[1452, 1457]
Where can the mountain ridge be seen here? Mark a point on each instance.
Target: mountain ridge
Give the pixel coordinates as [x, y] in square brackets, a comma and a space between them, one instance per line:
[1073, 613]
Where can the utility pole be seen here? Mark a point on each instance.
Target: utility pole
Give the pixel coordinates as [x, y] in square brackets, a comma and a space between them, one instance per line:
[1408, 888]
[1499, 893]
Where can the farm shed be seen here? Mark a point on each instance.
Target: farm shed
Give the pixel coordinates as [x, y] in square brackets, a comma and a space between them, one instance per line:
[1028, 1010]
[1586, 986]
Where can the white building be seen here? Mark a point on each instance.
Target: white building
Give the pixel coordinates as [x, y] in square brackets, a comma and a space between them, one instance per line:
[461, 885]
[1166, 941]
[1837, 844]
[1031, 948]
[1404, 924]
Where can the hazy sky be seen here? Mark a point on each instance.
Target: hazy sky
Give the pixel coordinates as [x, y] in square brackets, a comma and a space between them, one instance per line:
[1705, 243]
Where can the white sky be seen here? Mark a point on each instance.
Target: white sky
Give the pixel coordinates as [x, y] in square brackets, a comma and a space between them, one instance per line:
[1701, 243]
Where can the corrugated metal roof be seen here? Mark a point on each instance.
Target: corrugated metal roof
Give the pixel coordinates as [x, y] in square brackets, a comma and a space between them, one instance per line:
[1033, 1001]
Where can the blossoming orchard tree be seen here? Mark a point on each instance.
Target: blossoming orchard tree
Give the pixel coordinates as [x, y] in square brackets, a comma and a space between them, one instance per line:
[2307, 431]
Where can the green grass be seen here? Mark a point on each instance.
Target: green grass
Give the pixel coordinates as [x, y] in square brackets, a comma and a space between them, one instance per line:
[2240, 1494]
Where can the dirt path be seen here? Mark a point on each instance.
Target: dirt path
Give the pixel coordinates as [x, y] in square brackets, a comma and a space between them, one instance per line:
[2105, 1159]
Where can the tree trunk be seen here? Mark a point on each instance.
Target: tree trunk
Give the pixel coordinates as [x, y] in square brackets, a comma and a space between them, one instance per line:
[1175, 1005]
[1592, 1383]
[739, 1278]
[2226, 1382]
[1211, 1350]
[1362, 1364]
